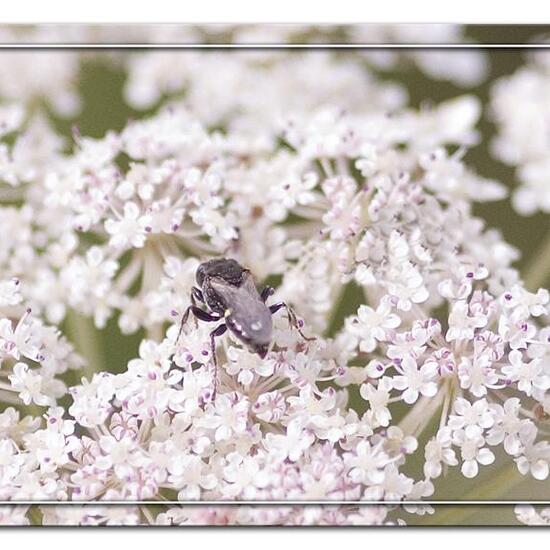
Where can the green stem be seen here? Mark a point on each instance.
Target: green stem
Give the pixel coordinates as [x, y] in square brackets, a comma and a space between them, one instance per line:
[538, 269]
[493, 489]
[334, 319]
[35, 515]
[83, 334]
[420, 415]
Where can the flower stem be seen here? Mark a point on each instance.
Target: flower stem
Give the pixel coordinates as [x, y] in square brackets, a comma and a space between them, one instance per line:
[538, 269]
[84, 336]
[35, 515]
[420, 415]
[147, 514]
[493, 489]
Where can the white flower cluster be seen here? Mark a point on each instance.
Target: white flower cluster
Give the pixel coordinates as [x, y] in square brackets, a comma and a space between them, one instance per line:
[318, 179]
[465, 68]
[265, 84]
[39, 76]
[376, 198]
[33, 356]
[520, 106]
[165, 191]
[192, 515]
[531, 515]
[257, 81]
[254, 89]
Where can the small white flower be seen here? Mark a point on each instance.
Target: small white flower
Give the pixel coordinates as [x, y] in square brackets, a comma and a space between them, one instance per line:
[29, 385]
[528, 375]
[245, 365]
[415, 381]
[10, 292]
[129, 230]
[472, 418]
[507, 426]
[526, 303]
[370, 326]
[290, 445]
[229, 416]
[473, 452]
[535, 457]
[366, 464]
[462, 325]
[191, 474]
[477, 375]
[438, 451]
[378, 398]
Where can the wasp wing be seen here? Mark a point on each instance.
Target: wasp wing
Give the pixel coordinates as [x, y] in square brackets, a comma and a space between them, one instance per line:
[246, 314]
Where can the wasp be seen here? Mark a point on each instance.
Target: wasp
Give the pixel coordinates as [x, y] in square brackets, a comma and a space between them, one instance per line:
[225, 291]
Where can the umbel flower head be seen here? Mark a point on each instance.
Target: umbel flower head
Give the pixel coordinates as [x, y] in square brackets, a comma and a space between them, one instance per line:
[519, 107]
[442, 364]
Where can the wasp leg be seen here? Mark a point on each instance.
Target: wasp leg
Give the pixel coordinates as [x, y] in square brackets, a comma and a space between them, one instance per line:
[202, 315]
[293, 321]
[218, 331]
[196, 296]
[266, 293]
[199, 314]
[183, 321]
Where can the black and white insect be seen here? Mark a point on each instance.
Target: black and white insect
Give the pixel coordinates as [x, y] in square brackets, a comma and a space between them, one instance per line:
[228, 292]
